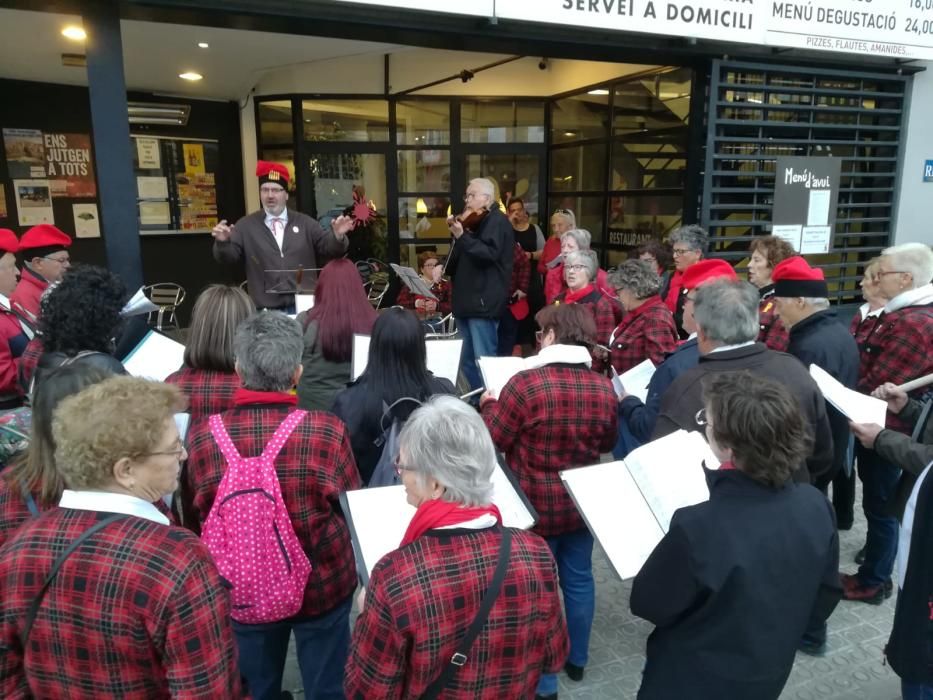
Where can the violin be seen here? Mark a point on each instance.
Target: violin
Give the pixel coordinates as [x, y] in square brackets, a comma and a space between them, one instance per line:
[472, 218]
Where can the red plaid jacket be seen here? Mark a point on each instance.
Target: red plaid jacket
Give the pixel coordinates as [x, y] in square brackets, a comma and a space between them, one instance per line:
[599, 304]
[423, 597]
[647, 332]
[862, 328]
[900, 348]
[771, 330]
[441, 290]
[29, 361]
[208, 391]
[549, 419]
[314, 467]
[13, 510]
[521, 271]
[137, 612]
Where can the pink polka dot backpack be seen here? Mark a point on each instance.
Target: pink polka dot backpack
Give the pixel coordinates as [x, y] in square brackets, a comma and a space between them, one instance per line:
[249, 532]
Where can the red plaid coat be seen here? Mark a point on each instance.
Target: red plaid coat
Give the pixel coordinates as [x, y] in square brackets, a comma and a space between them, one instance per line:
[599, 304]
[13, 510]
[29, 361]
[440, 289]
[861, 329]
[208, 391]
[647, 332]
[549, 419]
[521, 271]
[314, 467]
[900, 348]
[771, 330]
[137, 612]
[423, 597]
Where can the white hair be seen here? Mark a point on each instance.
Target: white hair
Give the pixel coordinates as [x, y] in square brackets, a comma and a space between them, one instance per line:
[568, 215]
[583, 237]
[915, 258]
[587, 258]
[485, 186]
[816, 302]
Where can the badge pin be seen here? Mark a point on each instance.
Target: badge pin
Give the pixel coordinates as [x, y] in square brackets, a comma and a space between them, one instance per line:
[295, 229]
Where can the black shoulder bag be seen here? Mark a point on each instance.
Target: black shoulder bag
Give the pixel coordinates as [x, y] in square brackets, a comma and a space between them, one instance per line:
[459, 657]
[37, 602]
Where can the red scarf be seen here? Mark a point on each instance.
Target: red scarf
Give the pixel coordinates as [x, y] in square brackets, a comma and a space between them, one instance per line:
[437, 513]
[572, 297]
[243, 397]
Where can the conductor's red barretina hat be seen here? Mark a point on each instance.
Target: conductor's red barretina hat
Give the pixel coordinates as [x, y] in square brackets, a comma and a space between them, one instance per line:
[274, 173]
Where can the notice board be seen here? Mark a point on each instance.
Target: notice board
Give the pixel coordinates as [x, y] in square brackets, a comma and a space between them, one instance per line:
[806, 193]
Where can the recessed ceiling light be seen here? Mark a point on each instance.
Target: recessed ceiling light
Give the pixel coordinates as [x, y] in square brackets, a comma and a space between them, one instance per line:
[203, 45]
[190, 75]
[598, 92]
[74, 32]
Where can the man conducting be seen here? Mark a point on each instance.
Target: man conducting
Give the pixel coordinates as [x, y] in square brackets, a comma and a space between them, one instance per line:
[275, 238]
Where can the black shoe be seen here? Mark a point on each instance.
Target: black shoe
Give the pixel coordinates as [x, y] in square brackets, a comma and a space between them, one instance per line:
[844, 525]
[552, 696]
[812, 648]
[286, 695]
[574, 672]
[860, 556]
[888, 588]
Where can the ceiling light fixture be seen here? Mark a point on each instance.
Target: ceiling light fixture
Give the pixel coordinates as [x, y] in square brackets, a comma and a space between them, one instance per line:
[190, 75]
[599, 91]
[203, 45]
[158, 113]
[74, 32]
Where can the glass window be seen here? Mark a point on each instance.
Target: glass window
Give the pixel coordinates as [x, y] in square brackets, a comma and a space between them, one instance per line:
[514, 176]
[423, 123]
[635, 220]
[275, 122]
[580, 117]
[424, 171]
[345, 120]
[578, 168]
[502, 122]
[647, 165]
[423, 217]
[589, 213]
[409, 252]
[356, 180]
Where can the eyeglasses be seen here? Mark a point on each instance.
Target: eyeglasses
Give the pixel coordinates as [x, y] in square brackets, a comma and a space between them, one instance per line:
[690, 299]
[399, 467]
[175, 452]
[700, 417]
[892, 272]
[272, 190]
[576, 268]
[681, 251]
[61, 261]
[472, 195]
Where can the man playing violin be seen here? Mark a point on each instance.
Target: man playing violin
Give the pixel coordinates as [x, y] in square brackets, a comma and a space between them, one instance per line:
[480, 268]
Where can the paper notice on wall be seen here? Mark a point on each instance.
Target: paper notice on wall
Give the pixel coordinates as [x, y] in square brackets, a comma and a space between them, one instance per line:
[194, 158]
[148, 155]
[33, 202]
[87, 220]
[789, 233]
[151, 187]
[69, 166]
[154, 214]
[818, 209]
[25, 153]
[815, 240]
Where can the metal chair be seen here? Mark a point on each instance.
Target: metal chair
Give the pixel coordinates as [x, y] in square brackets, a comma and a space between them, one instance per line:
[168, 296]
[449, 325]
[375, 276]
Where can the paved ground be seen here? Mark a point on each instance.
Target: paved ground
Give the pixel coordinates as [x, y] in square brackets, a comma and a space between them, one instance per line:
[851, 670]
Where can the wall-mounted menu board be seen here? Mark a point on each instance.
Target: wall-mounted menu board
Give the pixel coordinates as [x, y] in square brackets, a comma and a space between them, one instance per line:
[176, 185]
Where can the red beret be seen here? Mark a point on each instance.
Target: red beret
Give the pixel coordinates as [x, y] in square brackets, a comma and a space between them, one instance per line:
[275, 173]
[793, 277]
[44, 236]
[706, 270]
[8, 241]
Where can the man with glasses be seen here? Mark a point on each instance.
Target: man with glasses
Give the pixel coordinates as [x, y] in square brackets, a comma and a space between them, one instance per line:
[480, 268]
[44, 256]
[276, 239]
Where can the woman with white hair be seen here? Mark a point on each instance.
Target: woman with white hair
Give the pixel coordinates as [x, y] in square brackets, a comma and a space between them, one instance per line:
[562, 220]
[424, 597]
[579, 272]
[573, 241]
[898, 350]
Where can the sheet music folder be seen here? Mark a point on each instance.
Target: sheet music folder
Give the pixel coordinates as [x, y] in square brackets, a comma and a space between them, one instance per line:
[628, 505]
[155, 357]
[378, 517]
[413, 281]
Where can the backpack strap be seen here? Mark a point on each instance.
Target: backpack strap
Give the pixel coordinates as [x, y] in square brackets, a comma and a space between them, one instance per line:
[37, 601]
[282, 433]
[459, 657]
[222, 438]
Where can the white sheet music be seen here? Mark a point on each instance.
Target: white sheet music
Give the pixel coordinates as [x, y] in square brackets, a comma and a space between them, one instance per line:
[497, 371]
[413, 281]
[155, 357]
[381, 515]
[669, 473]
[303, 302]
[635, 380]
[616, 513]
[441, 356]
[182, 421]
[859, 408]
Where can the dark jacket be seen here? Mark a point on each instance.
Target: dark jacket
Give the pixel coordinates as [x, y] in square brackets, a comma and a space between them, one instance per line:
[480, 267]
[822, 340]
[361, 410]
[684, 398]
[732, 587]
[641, 417]
[910, 647]
[910, 454]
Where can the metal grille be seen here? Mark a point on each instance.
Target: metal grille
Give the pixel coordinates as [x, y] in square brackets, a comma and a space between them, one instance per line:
[758, 112]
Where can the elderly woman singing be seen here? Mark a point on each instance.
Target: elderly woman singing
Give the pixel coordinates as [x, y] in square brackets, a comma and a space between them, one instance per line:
[425, 596]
